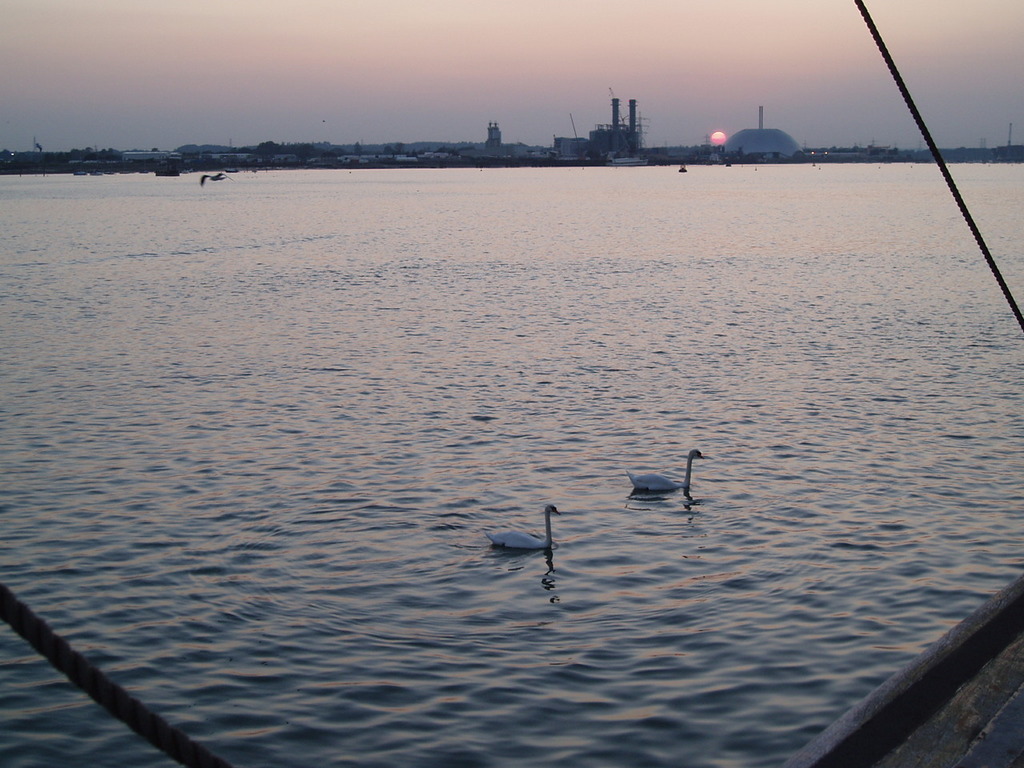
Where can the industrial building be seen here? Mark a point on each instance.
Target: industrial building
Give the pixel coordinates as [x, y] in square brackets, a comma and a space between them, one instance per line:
[768, 143]
[493, 143]
[618, 139]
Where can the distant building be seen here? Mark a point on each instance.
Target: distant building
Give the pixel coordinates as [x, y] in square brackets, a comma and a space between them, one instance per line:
[135, 156]
[1011, 153]
[493, 143]
[570, 147]
[618, 139]
[769, 143]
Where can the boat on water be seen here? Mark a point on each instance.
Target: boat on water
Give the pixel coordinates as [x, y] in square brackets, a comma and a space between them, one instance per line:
[168, 167]
[627, 162]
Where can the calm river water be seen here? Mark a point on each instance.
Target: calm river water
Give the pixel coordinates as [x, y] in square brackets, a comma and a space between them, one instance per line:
[252, 434]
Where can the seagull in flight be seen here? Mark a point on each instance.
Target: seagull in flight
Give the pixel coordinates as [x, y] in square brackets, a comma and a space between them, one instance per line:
[213, 177]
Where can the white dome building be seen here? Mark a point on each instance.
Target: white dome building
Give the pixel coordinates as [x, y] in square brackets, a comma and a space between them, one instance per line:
[767, 142]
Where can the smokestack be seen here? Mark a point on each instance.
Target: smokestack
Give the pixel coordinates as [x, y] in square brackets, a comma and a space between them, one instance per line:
[760, 118]
[615, 114]
[632, 115]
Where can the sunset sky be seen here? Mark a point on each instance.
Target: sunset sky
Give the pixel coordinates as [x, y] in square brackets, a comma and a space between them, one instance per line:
[137, 74]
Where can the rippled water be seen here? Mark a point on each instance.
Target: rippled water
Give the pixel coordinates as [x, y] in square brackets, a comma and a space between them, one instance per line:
[253, 433]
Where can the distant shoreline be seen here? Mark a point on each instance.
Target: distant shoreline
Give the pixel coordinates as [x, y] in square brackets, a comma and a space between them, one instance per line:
[95, 169]
[200, 165]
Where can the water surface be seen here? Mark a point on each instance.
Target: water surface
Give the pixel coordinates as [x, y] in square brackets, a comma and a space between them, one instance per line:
[253, 432]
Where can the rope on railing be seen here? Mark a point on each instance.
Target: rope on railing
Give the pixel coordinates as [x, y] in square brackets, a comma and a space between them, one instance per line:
[939, 160]
[102, 689]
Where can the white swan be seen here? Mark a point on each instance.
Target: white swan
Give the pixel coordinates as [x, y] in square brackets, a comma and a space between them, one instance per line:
[653, 482]
[519, 540]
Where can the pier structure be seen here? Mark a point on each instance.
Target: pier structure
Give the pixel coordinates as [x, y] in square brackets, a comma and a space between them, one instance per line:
[960, 704]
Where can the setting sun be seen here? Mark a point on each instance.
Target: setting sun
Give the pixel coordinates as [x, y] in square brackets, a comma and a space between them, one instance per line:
[718, 138]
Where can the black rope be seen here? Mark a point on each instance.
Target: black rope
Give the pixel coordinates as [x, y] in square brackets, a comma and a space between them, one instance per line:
[102, 689]
[938, 159]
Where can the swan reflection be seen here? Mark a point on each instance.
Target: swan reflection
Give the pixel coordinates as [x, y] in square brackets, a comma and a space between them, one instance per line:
[547, 581]
[648, 501]
[523, 557]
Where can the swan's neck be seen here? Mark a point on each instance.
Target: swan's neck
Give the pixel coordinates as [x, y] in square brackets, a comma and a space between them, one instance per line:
[547, 526]
[689, 468]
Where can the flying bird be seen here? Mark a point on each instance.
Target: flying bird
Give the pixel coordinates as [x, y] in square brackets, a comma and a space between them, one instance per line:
[213, 177]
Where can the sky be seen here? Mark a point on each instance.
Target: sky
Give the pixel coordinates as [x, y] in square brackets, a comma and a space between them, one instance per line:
[143, 74]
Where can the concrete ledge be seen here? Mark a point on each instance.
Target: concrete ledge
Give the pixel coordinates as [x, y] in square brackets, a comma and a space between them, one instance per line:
[888, 716]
